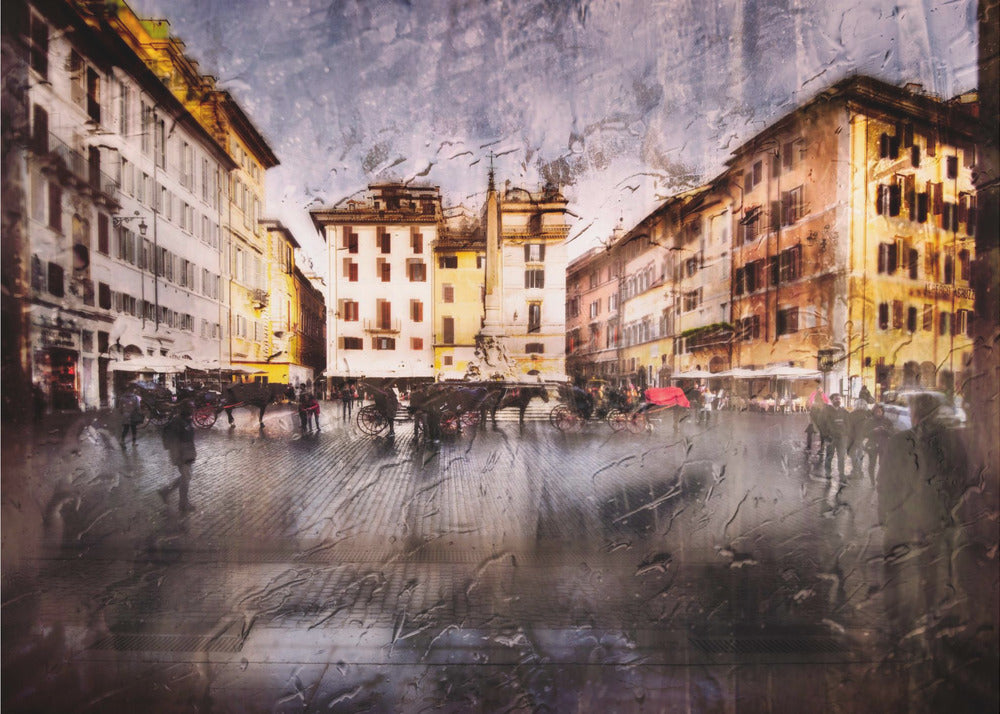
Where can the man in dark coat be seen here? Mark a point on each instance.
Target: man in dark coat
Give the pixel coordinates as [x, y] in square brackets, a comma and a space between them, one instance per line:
[178, 439]
[922, 477]
[835, 435]
[387, 404]
[346, 401]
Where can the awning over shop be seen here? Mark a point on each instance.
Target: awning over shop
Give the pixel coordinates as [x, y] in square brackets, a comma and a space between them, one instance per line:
[695, 374]
[156, 365]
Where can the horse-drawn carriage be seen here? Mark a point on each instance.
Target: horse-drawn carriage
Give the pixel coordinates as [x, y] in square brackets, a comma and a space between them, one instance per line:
[157, 404]
[579, 406]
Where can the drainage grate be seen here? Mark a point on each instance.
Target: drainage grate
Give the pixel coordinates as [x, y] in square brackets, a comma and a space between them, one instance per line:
[146, 642]
[768, 645]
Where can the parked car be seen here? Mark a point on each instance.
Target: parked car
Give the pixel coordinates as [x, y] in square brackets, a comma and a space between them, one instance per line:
[897, 409]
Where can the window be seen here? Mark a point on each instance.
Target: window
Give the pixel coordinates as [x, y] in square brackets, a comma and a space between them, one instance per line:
[897, 314]
[93, 95]
[749, 226]
[416, 343]
[915, 156]
[448, 330]
[480, 261]
[349, 311]
[104, 296]
[911, 319]
[788, 155]
[949, 216]
[383, 343]
[928, 318]
[55, 280]
[417, 242]
[416, 311]
[534, 348]
[103, 237]
[963, 266]
[931, 265]
[534, 252]
[353, 343]
[788, 321]
[593, 276]
[595, 308]
[963, 323]
[944, 323]
[383, 309]
[448, 261]
[384, 270]
[534, 278]
[38, 45]
[448, 293]
[792, 207]
[39, 130]
[384, 243]
[883, 316]
[753, 176]
[889, 199]
[949, 269]
[447, 360]
[887, 258]
[888, 146]
[952, 166]
[352, 271]
[749, 328]
[534, 316]
[791, 263]
[692, 300]
[55, 206]
[417, 272]
[350, 241]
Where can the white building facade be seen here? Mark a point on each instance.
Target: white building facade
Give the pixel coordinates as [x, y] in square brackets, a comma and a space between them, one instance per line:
[380, 283]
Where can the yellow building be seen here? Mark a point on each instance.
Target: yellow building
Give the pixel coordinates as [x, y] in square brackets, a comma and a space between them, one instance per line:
[458, 295]
[286, 360]
[853, 246]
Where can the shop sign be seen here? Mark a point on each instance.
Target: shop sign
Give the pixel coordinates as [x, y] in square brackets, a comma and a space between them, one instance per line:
[59, 337]
[943, 290]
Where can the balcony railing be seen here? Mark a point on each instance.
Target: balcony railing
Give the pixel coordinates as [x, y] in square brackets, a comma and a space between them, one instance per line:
[380, 327]
[62, 158]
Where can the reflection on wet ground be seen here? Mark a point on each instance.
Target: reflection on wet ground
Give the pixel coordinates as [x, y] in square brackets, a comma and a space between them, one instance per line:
[710, 569]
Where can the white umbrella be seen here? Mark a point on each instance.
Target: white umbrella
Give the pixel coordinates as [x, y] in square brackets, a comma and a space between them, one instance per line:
[158, 365]
[792, 372]
[739, 373]
[694, 374]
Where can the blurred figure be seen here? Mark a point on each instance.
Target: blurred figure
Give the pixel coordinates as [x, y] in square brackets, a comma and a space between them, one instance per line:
[865, 396]
[857, 430]
[921, 479]
[878, 430]
[308, 411]
[834, 436]
[387, 402]
[130, 408]
[346, 401]
[178, 439]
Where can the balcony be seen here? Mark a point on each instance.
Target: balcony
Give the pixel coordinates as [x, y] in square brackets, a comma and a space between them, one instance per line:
[382, 327]
[258, 298]
[72, 167]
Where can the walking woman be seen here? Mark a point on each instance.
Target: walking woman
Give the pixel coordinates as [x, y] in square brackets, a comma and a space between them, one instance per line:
[178, 439]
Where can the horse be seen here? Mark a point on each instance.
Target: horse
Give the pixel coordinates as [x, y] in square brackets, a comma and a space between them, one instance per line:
[251, 394]
[437, 402]
[515, 396]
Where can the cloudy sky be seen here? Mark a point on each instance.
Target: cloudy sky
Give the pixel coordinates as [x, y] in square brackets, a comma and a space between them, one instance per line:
[620, 101]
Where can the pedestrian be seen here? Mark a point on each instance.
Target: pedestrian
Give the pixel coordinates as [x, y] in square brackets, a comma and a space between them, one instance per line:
[130, 407]
[834, 436]
[346, 401]
[921, 481]
[308, 411]
[387, 404]
[178, 439]
[857, 430]
[876, 438]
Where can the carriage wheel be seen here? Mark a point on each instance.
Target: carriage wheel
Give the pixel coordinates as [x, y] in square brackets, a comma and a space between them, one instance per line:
[470, 418]
[637, 423]
[370, 420]
[564, 419]
[617, 419]
[205, 416]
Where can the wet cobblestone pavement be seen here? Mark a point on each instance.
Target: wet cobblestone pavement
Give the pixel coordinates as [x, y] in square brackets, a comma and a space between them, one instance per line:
[709, 569]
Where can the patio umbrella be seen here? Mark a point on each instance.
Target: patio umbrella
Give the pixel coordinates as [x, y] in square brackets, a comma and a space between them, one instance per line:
[739, 373]
[694, 374]
[792, 372]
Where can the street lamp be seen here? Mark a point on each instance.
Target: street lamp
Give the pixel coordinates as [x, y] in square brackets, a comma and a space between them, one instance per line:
[118, 220]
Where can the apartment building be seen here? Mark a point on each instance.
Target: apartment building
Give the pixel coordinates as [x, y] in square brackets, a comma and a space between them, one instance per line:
[592, 330]
[459, 295]
[531, 267]
[294, 325]
[853, 245]
[124, 241]
[380, 252]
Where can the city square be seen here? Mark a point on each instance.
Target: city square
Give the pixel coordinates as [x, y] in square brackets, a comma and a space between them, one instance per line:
[507, 567]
